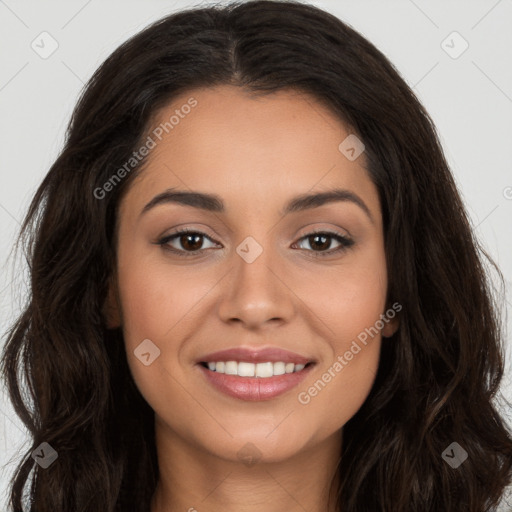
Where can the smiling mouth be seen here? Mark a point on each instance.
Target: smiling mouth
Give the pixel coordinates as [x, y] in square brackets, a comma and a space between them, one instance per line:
[257, 370]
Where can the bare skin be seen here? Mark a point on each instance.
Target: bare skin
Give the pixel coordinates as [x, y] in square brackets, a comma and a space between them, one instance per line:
[255, 153]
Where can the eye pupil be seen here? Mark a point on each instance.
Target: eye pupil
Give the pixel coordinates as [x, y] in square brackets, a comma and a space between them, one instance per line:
[195, 245]
[323, 245]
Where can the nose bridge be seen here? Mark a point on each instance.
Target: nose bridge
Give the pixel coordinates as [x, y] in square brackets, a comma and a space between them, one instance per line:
[256, 290]
[255, 262]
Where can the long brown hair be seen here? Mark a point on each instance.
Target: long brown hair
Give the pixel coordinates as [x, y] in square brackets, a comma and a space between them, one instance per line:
[439, 374]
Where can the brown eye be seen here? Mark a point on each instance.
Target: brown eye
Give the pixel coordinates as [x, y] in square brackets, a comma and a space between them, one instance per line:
[186, 242]
[321, 241]
[191, 241]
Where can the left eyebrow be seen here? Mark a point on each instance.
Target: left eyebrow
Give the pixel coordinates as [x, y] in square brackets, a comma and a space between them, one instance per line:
[213, 203]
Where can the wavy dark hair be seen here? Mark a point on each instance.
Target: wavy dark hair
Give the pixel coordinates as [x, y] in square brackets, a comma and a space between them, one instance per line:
[439, 374]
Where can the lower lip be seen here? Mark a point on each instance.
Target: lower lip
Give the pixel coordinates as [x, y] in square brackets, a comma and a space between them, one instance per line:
[255, 388]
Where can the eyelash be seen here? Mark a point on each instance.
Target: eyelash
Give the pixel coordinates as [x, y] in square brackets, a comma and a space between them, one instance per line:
[344, 241]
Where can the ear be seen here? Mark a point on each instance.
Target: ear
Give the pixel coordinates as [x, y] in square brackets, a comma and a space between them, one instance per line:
[391, 326]
[111, 308]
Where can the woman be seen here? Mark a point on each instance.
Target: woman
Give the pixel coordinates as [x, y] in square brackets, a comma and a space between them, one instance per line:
[254, 286]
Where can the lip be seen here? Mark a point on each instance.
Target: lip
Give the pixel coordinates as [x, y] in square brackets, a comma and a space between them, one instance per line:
[260, 355]
[254, 388]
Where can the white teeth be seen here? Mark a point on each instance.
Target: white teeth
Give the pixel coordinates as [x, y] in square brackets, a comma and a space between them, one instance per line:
[245, 370]
[231, 368]
[279, 368]
[262, 370]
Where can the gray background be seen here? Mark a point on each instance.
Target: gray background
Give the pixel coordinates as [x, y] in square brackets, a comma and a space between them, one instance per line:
[469, 98]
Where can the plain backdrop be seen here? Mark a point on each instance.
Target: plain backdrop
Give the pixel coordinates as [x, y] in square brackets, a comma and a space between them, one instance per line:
[467, 91]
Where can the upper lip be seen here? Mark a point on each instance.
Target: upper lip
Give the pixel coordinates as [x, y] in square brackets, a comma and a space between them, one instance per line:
[259, 355]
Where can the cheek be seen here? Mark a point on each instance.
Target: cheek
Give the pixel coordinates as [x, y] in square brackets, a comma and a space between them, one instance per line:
[350, 362]
[157, 305]
[339, 390]
[157, 298]
[348, 298]
[349, 301]
[160, 303]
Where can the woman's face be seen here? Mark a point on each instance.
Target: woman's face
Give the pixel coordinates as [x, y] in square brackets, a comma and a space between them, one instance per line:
[251, 275]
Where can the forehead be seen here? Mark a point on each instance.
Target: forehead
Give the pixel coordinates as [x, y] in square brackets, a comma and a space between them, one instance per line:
[249, 148]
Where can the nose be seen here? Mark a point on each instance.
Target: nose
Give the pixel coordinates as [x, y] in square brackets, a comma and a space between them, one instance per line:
[256, 293]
